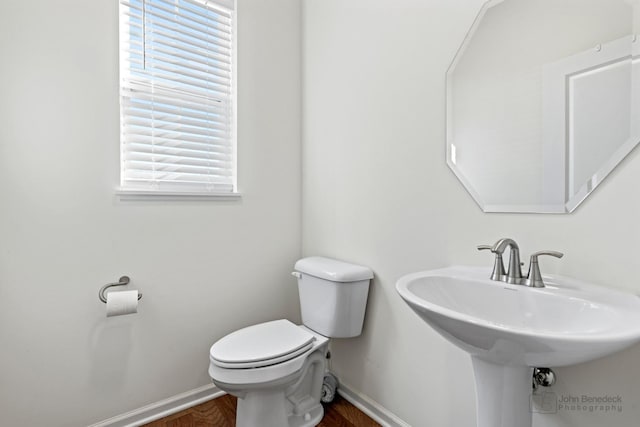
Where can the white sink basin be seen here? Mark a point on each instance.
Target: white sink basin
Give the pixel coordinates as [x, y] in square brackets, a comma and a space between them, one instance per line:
[565, 323]
[508, 329]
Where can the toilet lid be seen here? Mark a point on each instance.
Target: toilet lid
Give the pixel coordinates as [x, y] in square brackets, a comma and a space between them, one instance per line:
[261, 345]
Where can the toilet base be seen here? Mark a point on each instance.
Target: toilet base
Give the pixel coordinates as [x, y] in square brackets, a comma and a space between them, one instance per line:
[290, 401]
[266, 408]
[293, 404]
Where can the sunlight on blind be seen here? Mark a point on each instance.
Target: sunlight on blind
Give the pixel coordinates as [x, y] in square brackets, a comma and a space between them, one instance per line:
[176, 64]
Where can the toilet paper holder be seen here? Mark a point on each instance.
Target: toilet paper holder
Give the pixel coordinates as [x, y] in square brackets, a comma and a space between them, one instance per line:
[124, 280]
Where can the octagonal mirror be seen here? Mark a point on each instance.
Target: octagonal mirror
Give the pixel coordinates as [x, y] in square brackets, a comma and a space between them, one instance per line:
[543, 101]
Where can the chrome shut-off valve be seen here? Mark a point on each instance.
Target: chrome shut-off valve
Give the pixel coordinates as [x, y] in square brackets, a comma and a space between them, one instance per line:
[544, 377]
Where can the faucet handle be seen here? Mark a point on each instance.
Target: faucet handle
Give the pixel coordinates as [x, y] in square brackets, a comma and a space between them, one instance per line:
[534, 257]
[534, 278]
[498, 267]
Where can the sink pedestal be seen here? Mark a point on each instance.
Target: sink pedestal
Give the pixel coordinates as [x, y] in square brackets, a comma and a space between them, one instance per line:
[503, 394]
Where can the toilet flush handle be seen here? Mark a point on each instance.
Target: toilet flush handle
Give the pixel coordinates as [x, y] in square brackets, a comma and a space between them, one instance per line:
[296, 274]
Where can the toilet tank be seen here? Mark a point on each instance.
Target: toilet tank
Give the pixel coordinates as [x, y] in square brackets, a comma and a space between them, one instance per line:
[333, 295]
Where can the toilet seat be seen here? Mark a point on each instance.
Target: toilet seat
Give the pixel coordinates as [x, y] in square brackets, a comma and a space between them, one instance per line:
[261, 345]
[240, 379]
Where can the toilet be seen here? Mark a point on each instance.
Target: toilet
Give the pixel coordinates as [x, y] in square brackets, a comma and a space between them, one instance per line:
[276, 368]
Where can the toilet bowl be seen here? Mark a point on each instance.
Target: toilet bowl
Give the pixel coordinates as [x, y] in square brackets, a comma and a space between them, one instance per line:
[276, 368]
[269, 387]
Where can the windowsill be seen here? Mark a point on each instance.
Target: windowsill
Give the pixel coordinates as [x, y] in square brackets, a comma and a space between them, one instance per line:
[138, 195]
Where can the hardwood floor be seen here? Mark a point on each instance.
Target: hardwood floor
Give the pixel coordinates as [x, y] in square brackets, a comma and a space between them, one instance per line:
[221, 412]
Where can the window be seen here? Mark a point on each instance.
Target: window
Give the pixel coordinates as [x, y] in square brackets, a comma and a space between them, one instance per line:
[177, 96]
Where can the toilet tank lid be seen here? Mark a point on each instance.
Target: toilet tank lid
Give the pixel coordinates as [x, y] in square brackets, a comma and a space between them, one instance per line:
[334, 270]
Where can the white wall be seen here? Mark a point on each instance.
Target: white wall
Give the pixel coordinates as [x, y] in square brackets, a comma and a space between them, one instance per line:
[376, 191]
[205, 268]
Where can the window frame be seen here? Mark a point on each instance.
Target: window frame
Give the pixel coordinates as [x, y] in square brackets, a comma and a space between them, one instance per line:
[136, 193]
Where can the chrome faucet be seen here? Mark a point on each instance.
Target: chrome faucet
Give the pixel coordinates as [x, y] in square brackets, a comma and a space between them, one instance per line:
[514, 273]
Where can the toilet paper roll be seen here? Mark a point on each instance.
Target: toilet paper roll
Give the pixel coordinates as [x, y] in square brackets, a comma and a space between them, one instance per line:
[122, 302]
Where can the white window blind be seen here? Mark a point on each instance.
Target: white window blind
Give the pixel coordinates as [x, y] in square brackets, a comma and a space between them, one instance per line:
[176, 96]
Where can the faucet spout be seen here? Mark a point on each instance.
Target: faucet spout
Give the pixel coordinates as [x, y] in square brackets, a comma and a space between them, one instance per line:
[514, 273]
[502, 244]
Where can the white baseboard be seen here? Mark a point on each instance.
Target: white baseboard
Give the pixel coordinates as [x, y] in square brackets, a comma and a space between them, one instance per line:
[373, 409]
[163, 408]
[191, 398]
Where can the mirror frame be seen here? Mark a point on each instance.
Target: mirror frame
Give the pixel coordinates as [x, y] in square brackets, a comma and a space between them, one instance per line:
[586, 189]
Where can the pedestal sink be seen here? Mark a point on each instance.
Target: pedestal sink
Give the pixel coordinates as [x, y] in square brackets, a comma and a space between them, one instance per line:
[509, 329]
